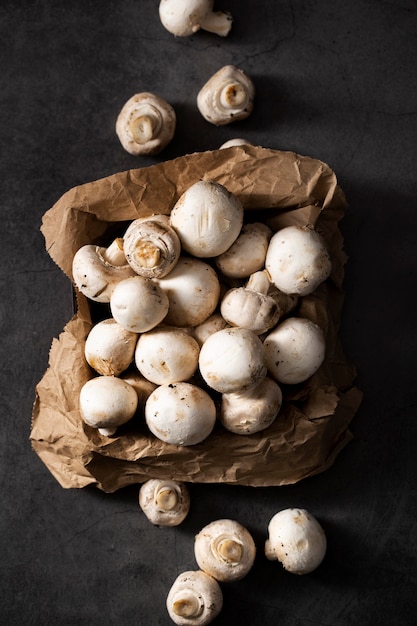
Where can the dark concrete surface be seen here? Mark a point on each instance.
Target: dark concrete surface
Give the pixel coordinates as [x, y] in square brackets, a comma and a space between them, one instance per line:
[336, 81]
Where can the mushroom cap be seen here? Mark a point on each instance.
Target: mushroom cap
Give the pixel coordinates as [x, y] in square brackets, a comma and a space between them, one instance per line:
[294, 350]
[237, 141]
[167, 355]
[225, 549]
[96, 277]
[193, 291]
[227, 96]
[249, 309]
[252, 410]
[297, 260]
[183, 17]
[107, 402]
[207, 218]
[195, 599]
[247, 253]
[232, 359]
[140, 384]
[180, 413]
[297, 540]
[138, 304]
[151, 245]
[146, 124]
[109, 348]
[211, 325]
[164, 502]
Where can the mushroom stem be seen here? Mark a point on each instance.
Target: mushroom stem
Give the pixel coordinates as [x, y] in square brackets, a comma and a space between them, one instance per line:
[114, 254]
[187, 603]
[217, 22]
[145, 127]
[259, 282]
[233, 96]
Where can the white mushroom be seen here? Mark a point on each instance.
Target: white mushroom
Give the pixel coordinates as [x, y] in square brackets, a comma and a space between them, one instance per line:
[180, 413]
[297, 540]
[251, 410]
[107, 402]
[146, 124]
[227, 96]
[96, 270]
[138, 304]
[250, 306]
[151, 246]
[225, 549]
[109, 348]
[247, 253]
[232, 359]
[294, 350]
[211, 325]
[208, 218]
[193, 292]
[195, 599]
[164, 502]
[183, 18]
[237, 141]
[167, 355]
[297, 260]
[140, 384]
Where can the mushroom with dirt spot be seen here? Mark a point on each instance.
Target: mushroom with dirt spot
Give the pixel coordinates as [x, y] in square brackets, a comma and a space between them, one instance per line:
[227, 96]
[184, 18]
[164, 502]
[297, 540]
[138, 304]
[109, 348]
[194, 599]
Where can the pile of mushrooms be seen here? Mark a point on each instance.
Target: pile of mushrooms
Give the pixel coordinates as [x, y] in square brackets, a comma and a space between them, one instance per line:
[202, 308]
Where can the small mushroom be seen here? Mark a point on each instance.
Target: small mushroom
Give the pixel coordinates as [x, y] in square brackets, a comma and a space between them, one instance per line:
[138, 304]
[140, 384]
[195, 599]
[183, 18]
[193, 292]
[247, 253]
[109, 348]
[107, 402]
[294, 350]
[232, 359]
[225, 549]
[167, 355]
[237, 141]
[250, 306]
[180, 413]
[297, 540]
[251, 410]
[151, 246]
[96, 270]
[164, 502]
[297, 260]
[207, 218]
[146, 124]
[211, 325]
[227, 96]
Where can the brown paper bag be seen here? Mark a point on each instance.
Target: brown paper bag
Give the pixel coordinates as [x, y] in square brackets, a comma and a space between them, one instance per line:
[280, 188]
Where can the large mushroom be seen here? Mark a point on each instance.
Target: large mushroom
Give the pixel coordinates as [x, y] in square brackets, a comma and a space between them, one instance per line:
[184, 18]
[227, 96]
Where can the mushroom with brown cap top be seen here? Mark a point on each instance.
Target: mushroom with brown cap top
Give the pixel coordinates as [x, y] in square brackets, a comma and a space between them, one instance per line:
[138, 304]
[146, 124]
[297, 540]
[228, 96]
[183, 18]
[96, 270]
[109, 348]
[194, 599]
[164, 502]
[225, 549]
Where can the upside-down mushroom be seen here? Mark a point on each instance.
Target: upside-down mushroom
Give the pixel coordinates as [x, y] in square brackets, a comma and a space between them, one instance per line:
[195, 599]
[164, 502]
[228, 96]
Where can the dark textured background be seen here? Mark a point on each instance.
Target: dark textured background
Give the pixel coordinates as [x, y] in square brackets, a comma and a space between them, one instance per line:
[335, 81]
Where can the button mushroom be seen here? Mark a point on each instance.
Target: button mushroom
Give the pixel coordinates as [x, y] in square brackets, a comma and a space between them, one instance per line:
[151, 246]
[250, 306]
[195, 599]
[109, 348]
[297, 260]
[96, 270]
[296, 540]
[164, 502]
[247, 253]
[225, 549]
[294, 350]
[227, 96]
[193, 292]
[167, 355]
[183, 18]
[146, 124]
[107, 402]
[182, 413]
[138, 304]
[207, 218]
[237, 141]
[232, 359]
[211, 325]
[251, 410]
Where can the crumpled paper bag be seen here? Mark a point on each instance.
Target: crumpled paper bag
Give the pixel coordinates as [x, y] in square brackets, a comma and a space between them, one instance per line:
[279, 188]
